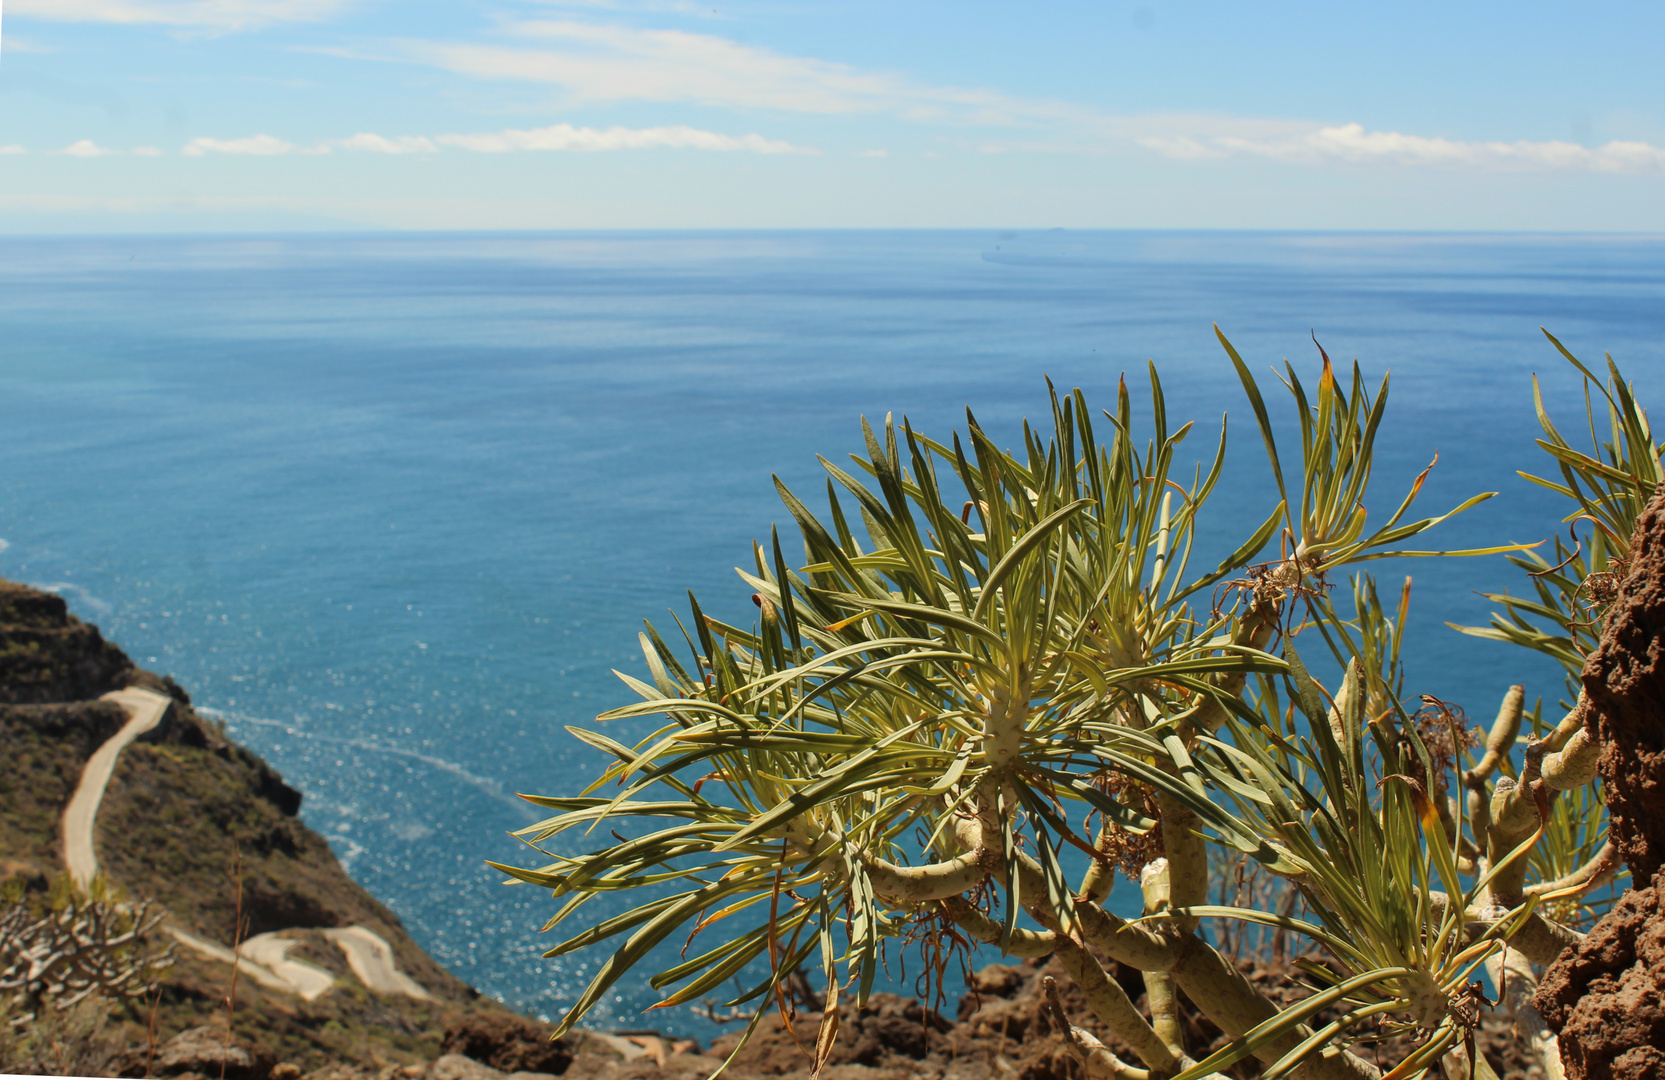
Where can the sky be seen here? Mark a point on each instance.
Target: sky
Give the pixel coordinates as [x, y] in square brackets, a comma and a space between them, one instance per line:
[607, 114]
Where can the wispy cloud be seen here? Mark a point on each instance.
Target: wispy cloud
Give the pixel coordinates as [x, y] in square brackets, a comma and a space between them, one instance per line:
[597, 62]
[223, 15]
[12, 148]
[567, 137]
[378, 144]
[255, 145]
[15, 44]
[86, 148]
[1351, 143]
[674, 7]
[555, 137]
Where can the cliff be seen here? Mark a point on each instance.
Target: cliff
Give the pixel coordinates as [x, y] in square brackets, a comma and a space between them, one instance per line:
[188, 812]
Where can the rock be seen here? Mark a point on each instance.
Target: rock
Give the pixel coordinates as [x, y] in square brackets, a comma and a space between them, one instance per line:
[994, 980]
[285, 1070]
[458, 1067]
[51, 656]
[507, 1043]
[338, 1071]
[205, 1051]
[893, 1026]
[1624, 681]
[1606, 996]
[888, 1030]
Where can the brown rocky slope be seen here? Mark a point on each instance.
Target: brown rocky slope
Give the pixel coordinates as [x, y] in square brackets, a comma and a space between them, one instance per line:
[184, 810]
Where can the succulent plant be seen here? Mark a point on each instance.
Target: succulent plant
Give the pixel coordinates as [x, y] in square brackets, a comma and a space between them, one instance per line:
[993, 667]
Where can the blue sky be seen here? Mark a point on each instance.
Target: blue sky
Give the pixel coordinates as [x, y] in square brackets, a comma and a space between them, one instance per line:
[211, 114]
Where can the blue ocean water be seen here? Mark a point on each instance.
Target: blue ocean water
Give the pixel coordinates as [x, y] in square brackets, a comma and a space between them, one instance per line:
[396, 505]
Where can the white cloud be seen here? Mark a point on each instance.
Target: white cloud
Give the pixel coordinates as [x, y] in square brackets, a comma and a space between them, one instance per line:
[604, 63]
[87, 148]
[617, 63]
[555, 137]
[567, 137]
[676, 7]
[1351, 143]
[12, 148]
[378, 144]
[148, 151]
[258, 145]
[15, 44]
[197, 14]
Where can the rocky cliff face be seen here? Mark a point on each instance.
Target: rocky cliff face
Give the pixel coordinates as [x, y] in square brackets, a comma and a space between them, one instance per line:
[204, 828]
[1606, 997]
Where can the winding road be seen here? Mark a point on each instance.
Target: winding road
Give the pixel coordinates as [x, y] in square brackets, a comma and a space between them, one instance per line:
[263, 957]
[371, 959]
[145, 709]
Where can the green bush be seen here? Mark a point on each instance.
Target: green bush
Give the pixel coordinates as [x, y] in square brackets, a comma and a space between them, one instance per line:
[948, 696]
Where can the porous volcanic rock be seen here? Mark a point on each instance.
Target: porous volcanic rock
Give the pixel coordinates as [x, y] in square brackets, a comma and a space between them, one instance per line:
[1624, 681]
[507, 1043]
[1606, 996]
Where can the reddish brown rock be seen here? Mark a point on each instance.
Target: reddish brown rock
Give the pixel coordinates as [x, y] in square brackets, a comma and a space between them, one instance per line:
[507, 1043]
[1606, 997]
[1624, 680]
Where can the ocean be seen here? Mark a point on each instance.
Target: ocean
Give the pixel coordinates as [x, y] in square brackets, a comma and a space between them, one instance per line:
[395, 505]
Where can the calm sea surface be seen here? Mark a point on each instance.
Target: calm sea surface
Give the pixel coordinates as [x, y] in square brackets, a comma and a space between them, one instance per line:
[395, 506]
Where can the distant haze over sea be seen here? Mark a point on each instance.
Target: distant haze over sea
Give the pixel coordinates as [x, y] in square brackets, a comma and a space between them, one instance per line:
[395, 505]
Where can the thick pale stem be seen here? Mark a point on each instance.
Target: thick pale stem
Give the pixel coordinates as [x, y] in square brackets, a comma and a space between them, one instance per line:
[1099, 1062]
[1575, 764]
[1183, 844]
[1479, 809]
[1543, 940]
[1570, 725]
[1254, 630]
[1516, 979]
[1159, 985]
[1100, 877]
[1502, 737]
[1110, 1004]
[904, 885]
[1592, 875]
[1008, 711]
[1164, 1010]
[1232, 1002]
[1027, 944]
[916, 884]
[1129, 943]
[1515, 816]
